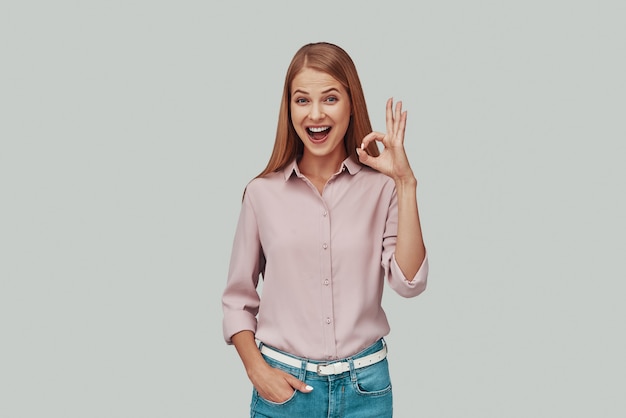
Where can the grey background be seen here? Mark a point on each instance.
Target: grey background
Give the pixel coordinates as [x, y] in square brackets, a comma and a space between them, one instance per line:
[129, 129]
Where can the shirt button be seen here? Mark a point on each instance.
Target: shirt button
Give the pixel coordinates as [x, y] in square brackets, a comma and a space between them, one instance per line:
[328, 321]
[326, 282]
[324, 214]
[324, 245]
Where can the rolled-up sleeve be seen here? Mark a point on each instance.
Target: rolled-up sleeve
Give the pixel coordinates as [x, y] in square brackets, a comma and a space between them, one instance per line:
[405, 287]
[402, 285]
[240, 300]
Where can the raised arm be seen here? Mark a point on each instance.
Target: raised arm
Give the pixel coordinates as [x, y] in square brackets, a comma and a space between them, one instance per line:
[392, 161]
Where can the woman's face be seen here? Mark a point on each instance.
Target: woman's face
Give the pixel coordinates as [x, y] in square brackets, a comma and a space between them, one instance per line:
[320, 113]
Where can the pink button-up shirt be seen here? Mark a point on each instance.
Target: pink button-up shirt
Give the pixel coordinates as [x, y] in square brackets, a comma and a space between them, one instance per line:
[323, 259]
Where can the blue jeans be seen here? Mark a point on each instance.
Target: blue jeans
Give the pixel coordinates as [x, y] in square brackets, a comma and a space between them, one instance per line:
[358, 393]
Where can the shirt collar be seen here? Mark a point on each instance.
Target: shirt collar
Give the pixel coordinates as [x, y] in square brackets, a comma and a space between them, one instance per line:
[347, 165]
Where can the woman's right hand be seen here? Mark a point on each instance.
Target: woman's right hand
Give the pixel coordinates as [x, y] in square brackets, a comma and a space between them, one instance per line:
[272, 384]
[275, 385]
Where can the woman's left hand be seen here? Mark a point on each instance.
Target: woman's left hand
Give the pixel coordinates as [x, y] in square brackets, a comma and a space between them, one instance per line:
[392, 160]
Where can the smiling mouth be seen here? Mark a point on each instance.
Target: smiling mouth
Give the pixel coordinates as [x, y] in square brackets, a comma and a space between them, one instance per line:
[318, 133]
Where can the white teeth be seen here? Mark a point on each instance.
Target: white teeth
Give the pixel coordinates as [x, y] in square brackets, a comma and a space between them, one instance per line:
[321, 129]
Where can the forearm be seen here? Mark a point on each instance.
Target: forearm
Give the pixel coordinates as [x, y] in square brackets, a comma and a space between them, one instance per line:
[253, 361]
[410, 250]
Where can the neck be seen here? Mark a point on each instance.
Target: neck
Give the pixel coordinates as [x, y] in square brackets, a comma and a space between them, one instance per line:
[320, 167]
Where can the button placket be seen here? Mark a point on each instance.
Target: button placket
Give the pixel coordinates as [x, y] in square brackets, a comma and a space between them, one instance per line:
[325, 279]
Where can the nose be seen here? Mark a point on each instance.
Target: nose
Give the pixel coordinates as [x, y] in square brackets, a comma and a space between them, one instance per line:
[316, 112]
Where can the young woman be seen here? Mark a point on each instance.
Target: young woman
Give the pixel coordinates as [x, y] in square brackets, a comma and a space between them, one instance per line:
[327, 222]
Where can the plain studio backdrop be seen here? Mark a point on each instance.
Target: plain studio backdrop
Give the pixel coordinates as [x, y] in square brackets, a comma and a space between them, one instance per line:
[129, 130]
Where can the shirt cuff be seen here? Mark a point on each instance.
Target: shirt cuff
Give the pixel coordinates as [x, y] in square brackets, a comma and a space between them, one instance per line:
[236, 322]
[416, 285]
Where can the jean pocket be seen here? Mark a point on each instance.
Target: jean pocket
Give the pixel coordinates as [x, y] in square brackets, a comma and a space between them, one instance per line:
[373, 380]
[287, 369]
[268, 402]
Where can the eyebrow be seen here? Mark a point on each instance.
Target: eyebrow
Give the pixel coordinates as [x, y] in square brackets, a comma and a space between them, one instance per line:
[324, 92]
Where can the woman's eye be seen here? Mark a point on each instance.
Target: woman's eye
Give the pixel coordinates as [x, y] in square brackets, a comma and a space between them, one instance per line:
[331, 99]
[301, 100]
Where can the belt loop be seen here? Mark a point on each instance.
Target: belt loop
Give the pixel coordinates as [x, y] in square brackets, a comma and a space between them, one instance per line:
[352, 370]
[303, 370]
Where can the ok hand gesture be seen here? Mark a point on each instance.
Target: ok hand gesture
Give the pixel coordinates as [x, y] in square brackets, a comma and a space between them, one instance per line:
[392, 160]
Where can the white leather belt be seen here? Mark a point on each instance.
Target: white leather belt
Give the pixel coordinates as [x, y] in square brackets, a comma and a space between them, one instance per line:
[327, 369]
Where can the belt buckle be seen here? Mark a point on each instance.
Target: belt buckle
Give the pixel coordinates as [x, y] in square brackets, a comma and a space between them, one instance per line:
[334, 371]
[319, 369]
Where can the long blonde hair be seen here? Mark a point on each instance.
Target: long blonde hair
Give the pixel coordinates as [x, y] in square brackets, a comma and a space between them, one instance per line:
[333, 60]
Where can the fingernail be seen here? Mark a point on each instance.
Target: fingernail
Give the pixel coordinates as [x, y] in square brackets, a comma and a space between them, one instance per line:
[309, 387]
